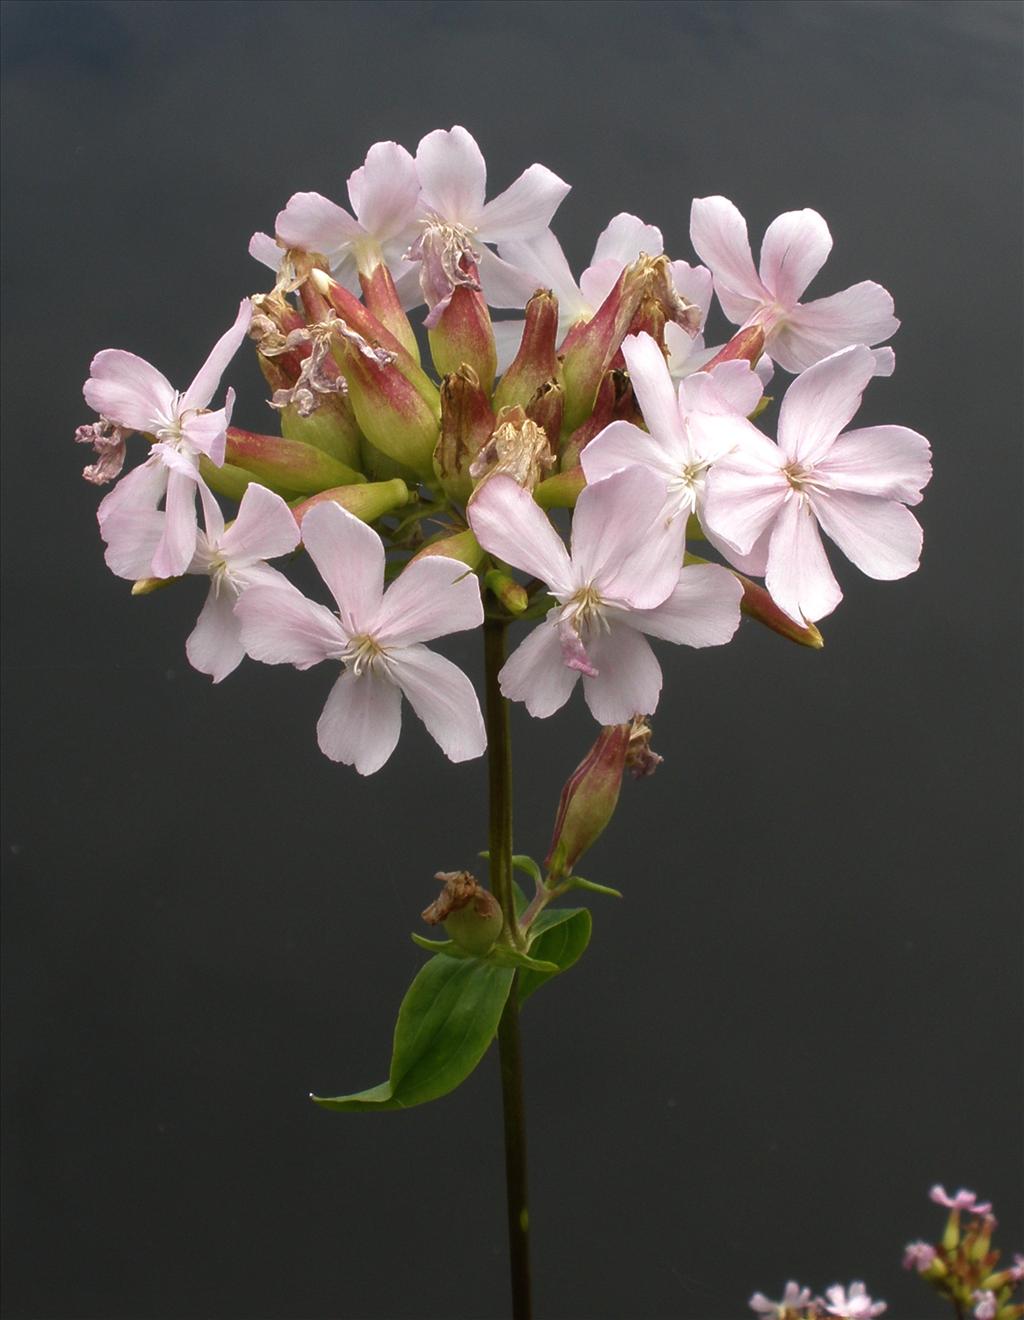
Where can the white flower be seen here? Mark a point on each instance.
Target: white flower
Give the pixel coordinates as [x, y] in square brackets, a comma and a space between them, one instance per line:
[854, 1304]
[794, 1298]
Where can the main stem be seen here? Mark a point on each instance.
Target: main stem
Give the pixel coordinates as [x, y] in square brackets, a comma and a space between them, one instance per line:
[509, 1045]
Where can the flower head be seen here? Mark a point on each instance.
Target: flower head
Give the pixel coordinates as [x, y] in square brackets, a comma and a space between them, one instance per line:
[963, 1200]
[794, 1299]
[986, 1305]
[854, 1304]
[918, 1256]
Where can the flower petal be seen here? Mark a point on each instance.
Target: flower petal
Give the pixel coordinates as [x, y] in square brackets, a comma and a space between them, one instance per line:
[542, 258]
[795, 247]
[132, 536]
[207, 432]
[624, 237]
[798, 576]
[621, 445]
[653, 387]
[525, 208]
[178, 543]
[620, 540]
[703, 610]
[264, 528]
[534, 672]
[880, 536]
[719, 234]
[820, 402]
[735, 388]
[361, 721]
[444, 699]
[503, 285]
[696, 285]
[890, 461]
[312, 223]
[628, 679]
[598, 280]
[215, 645]
[127, 390]
[281, 627]
[350, 557]
[453, 175]
[141, 489]
[508, 335]
[266, 250]
[861, 314]
[201, 391]
[384, 190]
[432, 597]
[507, 523]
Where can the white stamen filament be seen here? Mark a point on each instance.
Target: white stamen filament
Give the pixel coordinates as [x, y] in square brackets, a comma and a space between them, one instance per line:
[363, 653]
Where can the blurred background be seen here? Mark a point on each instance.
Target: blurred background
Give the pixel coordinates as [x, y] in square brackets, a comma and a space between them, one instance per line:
[806, 1010]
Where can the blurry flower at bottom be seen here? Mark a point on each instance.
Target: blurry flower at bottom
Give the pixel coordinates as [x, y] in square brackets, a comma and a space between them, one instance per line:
[986, 1305]
[378, 637]
[854, 1304]
[794, 1298]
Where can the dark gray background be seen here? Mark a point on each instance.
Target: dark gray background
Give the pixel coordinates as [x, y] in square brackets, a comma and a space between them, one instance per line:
[808, 1007]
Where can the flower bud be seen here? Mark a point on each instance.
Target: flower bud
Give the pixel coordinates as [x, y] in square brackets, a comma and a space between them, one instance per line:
[745, 344]
[462, 546]
[467, 423]
[464, 336]
[470, 914]
[560, 491]
[383, 301]
[536, 362]
[757, 604]
[287, 463]
[332, 427]
[232, 482]
[518, 449]
[368, 501]
[614, 397]
[507, 590]
[392, 414]
[588, 800]
[146, 586]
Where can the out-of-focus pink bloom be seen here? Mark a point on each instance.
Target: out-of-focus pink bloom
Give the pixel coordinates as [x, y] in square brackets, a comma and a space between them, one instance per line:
[689, 429]
[854, 1304]
[963, 1200]
[131, 394]
[378, 637]
[767, 501]
[458, 222]
[794, 1298]
[1017, 1269]
[794, 250]
[384, 194]
[986, 1305]
[233, 559]
[918, 1256]
[621, 580]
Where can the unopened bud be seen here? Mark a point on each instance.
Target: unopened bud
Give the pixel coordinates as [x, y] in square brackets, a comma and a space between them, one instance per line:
[232, 482]
[462, 546]
[518, 449]
[536, 362]
[287, 463]
[467, 423]
[146, 586]
[758, 604]
[331, 427]
[368, 501]
[507, 590]
[614, 398]
[383, 301]
[747, 345]
[469, 913]
[588, 799]
[392, 414]
[464, 336]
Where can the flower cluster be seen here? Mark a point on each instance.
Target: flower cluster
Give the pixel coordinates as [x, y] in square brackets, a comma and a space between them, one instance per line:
[963, 1266]
[797, 1303]
[601, 400]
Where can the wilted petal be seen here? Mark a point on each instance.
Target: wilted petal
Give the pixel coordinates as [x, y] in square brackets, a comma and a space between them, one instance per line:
[719, 235]
[525, 208]
[798, 576]
[264, 528]
[795, 247]
[215, 645]
[862, 314]
[892, 462]
[703, 610]
[507, 523]
[202, 389]
[431, 598]
[384, 190]
[312, 223]
[880, 536]
[129, 391]
[620, 541]
[628, 679]
[653, 387]
[453, 175]
[534, 672]
[444, 699]
[178, 543]
[350, 557]
[281, 627]
[623, 239]
[696, 285]
[361, 721]
[820, 402]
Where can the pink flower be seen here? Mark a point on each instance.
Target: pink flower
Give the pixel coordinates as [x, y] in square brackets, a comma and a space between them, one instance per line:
[794, 250]
[132, 395]
[987, 1305]
[689, 429]
[852, 1305]
[963, 1200]
[794, 1298]
[918, 1256]
[620, 581]
[384, 193]
[767, 501]
[378, 637]
[233, 560]
[457, 221]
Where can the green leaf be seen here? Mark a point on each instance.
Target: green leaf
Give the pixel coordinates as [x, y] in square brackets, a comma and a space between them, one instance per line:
[503, 956]
[521, 862]
[562, 934]
[447, 947]
[577, 882]
[447, 1020]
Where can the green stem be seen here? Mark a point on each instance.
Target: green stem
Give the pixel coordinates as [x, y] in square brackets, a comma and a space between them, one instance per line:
[509, 1044]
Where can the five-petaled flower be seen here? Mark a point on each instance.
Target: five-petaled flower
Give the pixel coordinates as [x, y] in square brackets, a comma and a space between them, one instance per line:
[794, 1299]
[963, 1200]
[851, 1304]
[378, 636]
